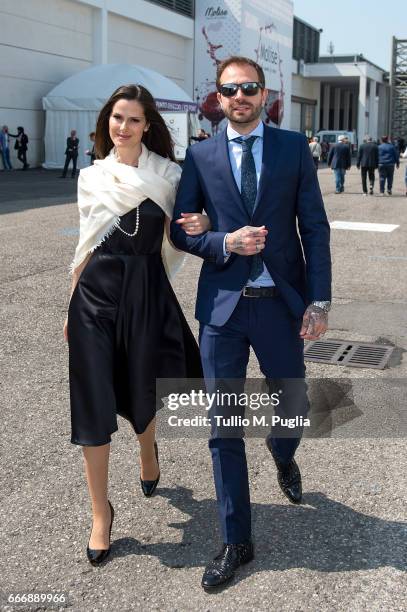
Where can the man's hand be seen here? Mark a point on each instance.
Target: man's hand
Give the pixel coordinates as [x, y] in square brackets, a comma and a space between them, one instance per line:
[314, 323]
[247, 240]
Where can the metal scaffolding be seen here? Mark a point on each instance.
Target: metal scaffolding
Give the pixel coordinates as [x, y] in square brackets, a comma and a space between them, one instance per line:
[398, 82]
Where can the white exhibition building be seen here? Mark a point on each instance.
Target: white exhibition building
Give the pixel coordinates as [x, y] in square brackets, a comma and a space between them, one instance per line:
[61, 59]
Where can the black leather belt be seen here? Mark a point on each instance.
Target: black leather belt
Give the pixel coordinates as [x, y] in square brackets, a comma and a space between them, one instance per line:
[257, 292]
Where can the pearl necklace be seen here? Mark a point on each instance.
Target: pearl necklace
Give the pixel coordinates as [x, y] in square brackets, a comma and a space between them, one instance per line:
[130, 235]
[137, 225]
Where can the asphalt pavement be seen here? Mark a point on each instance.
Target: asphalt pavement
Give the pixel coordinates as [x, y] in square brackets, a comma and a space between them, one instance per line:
[343, 549]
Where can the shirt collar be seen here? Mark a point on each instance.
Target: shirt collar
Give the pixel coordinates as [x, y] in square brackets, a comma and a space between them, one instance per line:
[232, 134]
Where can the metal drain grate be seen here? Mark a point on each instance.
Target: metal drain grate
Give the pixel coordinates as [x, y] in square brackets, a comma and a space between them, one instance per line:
[355, 354]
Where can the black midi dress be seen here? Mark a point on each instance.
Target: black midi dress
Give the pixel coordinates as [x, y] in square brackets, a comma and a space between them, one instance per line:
[125, 330]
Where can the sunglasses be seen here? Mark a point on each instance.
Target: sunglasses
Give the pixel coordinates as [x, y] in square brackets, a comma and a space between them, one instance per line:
[248, 89]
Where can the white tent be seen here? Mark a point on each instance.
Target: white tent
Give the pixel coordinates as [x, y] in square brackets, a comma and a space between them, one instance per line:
[75, 104]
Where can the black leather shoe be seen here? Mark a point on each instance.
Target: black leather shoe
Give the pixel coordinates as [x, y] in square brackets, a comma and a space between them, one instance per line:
[222, 569]
[288, 476]
[149, 486]
[95, 556]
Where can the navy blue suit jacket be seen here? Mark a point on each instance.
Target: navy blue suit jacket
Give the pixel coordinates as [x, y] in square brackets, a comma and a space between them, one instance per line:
[339, 156]
[288, 193]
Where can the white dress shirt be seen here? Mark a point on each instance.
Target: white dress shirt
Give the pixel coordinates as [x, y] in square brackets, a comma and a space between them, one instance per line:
[235, 156]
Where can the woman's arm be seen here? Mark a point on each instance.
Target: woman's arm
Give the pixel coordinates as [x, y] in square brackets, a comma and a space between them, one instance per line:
[75, 277]
[78, 271]
[167, 232]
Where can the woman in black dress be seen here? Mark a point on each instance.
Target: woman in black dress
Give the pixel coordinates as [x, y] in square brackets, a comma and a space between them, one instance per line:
[125, 327]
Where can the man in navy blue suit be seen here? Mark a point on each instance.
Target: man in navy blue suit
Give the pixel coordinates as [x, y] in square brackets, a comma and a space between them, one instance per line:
[339, 159]
[257, 184]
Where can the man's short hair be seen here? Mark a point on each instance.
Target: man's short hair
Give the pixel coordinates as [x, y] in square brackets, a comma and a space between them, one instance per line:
[385, 139]
[240, 60]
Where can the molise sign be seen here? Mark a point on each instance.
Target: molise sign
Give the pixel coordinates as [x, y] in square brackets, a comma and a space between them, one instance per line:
[259, 29]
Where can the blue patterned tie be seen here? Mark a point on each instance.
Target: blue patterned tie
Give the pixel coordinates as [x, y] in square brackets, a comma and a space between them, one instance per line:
[248, 192]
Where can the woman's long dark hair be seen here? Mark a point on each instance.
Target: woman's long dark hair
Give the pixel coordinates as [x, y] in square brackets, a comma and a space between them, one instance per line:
[157, 138]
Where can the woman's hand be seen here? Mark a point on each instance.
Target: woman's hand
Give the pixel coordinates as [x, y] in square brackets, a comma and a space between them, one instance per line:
[66, 330]
[194, 224]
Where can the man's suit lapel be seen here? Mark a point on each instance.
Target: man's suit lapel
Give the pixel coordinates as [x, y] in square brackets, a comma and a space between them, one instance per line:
[224, 170]
[267, 166]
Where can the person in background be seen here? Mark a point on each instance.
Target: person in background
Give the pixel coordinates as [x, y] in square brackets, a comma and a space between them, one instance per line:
[397, 145]
[388, 158]
[368, 161]
[91, 152]
[339, 159]
[316, 151]
[71, 153]
[202, 135]
[324, 151]
[404, 156]
[5, 148]
[21, 146]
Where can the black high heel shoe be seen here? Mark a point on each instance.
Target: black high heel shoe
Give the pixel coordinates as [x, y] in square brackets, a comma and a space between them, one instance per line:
[149, 486]
[95, 556]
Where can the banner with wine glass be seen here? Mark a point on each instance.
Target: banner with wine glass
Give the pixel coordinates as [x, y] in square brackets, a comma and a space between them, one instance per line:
[259, 29]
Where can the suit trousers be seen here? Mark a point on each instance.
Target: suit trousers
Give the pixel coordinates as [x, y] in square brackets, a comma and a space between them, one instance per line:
[5, 154]
[266, 325]
[68, 158]
[386, 173]
[367, 171]
[22, 156]
[339, 179]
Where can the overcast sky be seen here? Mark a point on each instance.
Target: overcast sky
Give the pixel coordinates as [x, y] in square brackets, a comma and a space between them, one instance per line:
[357, 26]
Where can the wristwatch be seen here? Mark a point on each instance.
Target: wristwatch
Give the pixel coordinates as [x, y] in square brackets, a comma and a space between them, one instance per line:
[325, 306]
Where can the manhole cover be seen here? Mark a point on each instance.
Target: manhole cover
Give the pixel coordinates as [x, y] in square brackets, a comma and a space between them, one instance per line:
[355, 354]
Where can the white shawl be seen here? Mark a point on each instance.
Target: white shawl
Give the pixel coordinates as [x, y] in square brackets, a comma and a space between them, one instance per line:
[109, 189]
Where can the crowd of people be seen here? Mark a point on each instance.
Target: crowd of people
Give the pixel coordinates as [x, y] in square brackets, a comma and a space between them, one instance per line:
[21, 147]
[383, 155]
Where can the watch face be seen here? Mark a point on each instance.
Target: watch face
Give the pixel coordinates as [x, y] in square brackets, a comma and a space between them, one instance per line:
[324, 305]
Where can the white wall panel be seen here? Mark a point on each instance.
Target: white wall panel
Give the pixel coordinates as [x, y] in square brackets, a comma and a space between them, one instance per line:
[37, 66]
[23, 32]
[62, 13]
[136, 43]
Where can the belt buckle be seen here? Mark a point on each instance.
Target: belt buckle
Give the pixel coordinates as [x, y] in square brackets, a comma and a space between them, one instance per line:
[248, 294]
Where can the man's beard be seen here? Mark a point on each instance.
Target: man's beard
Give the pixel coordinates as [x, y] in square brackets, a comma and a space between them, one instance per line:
[255, 114]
